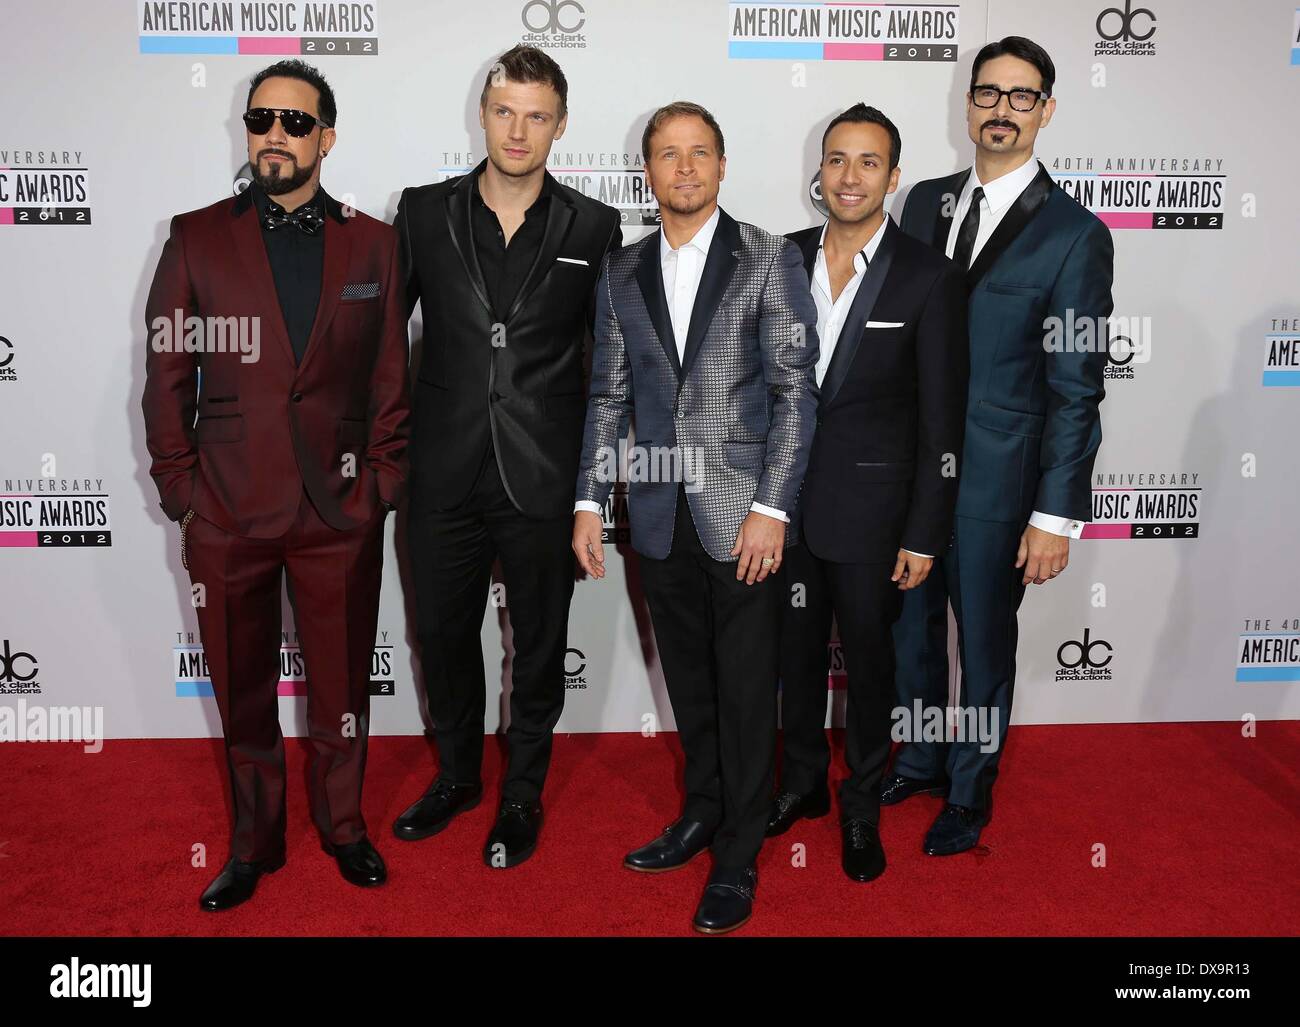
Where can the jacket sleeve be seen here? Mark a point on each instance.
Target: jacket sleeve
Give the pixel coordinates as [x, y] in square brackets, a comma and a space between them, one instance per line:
[389, 414]
[170, 398]
[1076, 378]
[787, 340]
[942, 379]
[609, 402]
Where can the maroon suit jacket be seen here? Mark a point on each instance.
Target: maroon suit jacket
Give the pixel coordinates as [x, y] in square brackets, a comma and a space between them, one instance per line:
[266, 429]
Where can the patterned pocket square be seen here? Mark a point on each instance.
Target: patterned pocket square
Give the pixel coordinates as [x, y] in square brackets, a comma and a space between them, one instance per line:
[360, 291]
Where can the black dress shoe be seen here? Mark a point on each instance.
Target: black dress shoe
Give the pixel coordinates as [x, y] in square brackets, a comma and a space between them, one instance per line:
[728, 900]
[236, 882]
[790, 806]
[514, 835]
[863, 857]
[359, 863]
[435, 808]
[956, 829]
[681, 842]
[895, 788]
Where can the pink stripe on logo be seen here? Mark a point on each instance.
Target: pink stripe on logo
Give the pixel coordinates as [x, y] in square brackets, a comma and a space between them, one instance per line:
[18, 539]
[270, 44]
[287, 687]
[853, 51]
[6, 215]
[1108, 531]
[1126, 219]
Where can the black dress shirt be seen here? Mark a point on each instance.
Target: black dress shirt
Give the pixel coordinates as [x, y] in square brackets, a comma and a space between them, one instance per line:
[505, 267]
[297, 265]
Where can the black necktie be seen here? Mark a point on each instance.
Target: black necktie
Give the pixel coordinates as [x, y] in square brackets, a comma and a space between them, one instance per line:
[970, 228]
[306, 219]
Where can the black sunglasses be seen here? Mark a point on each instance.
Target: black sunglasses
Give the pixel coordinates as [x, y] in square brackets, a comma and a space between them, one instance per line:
[297, 123]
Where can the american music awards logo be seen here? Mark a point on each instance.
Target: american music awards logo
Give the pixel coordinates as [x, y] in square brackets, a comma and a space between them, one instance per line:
[54, 513]
[617, 527]
[1281, 353]
[264, 27]
[1125, 32]
[554, 24]
[43, 187]
[1145, 505]
[1269, 653]
[193, 678]
[613, 177]
[842, 32]
[1146, 192]
[1084, 659]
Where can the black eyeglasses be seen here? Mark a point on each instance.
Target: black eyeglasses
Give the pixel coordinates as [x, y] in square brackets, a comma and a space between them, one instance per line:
[1020, 99]
[297, 123]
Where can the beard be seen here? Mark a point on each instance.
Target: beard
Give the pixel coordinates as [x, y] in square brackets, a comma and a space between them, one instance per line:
[276, 182]
[516, 171]
[1011, 129]
[687, 203]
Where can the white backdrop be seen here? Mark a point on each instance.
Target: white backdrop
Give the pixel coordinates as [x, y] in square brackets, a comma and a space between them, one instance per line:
[119, 114]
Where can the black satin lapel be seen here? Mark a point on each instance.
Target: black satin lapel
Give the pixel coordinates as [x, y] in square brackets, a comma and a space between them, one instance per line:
[460, 226]
[1027, 204]
[558, 220]
[719, 266]
[810, 245]
[943, 216]
[859, 314]
[651, 280]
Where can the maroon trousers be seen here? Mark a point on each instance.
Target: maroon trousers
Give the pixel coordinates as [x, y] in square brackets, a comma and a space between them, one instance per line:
[334, 590]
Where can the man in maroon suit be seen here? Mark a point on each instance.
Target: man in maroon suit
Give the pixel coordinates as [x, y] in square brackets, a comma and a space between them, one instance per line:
[277, 318]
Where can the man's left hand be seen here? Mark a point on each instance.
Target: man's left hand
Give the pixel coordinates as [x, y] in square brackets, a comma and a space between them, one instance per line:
[760, 538]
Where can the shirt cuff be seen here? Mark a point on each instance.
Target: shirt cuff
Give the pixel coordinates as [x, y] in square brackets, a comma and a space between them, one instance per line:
[1056, 525]
[589, 506]
[770, 512]
[924, 556]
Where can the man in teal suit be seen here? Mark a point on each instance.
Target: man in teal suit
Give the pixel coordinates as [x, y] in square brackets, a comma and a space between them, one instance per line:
[1035, 261]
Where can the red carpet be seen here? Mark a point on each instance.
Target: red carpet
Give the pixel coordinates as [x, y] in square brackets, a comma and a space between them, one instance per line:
[1199, 827]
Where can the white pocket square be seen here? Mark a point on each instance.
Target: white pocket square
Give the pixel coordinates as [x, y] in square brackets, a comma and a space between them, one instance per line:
[886, 324]
[573, 260]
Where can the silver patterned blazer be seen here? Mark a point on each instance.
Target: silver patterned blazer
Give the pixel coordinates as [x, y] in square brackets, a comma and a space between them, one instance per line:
[733, 419]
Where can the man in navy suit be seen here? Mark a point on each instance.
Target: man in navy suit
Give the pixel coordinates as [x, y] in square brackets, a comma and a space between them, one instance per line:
[1034, 259]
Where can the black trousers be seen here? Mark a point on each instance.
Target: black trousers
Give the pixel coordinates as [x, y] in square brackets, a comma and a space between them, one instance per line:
[717, 640]
[452, 553]
[865, 604]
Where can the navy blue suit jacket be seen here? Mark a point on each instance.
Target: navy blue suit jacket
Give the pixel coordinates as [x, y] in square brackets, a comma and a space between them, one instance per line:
[1033, 426]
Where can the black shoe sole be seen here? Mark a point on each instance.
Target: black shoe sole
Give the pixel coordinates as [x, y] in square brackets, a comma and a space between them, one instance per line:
[419, 836]
[935, 790]
[722, 930]
[662, 870]
[269, 868]
[510, 861]
[864, 878]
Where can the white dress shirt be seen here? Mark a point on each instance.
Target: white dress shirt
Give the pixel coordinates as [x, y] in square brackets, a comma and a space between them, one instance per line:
[999, 195]
[682, 268]
[831, 313]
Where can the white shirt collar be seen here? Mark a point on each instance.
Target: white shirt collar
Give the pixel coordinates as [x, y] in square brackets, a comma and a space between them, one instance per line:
[700, 240]
[1004, 191]
[868, 251]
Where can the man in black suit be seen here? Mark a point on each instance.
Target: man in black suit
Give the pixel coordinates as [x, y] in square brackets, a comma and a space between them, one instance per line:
[878, 499]
[504, 262]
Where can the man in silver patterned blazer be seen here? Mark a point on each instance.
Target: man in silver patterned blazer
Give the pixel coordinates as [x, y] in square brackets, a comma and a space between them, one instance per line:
[706, 336]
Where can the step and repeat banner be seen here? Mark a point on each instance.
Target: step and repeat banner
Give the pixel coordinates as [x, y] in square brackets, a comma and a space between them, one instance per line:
[1175, 124]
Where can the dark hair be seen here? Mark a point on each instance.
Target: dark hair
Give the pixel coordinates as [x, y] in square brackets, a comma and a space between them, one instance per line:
[528, 64]
[679, 109]
[1026, 50]
[859, 113]
[293, 68]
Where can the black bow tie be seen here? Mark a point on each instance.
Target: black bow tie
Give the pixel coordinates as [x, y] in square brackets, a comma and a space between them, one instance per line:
[307, 219]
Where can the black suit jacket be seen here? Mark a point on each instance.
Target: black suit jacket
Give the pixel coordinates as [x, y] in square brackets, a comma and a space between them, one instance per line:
[518, 385]
[886, 453]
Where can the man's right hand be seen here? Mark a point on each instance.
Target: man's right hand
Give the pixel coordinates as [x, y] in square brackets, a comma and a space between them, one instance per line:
[587, 547]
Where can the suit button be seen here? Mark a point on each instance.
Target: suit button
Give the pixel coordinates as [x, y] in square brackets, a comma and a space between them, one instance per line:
[296, 397]
[681, 414]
